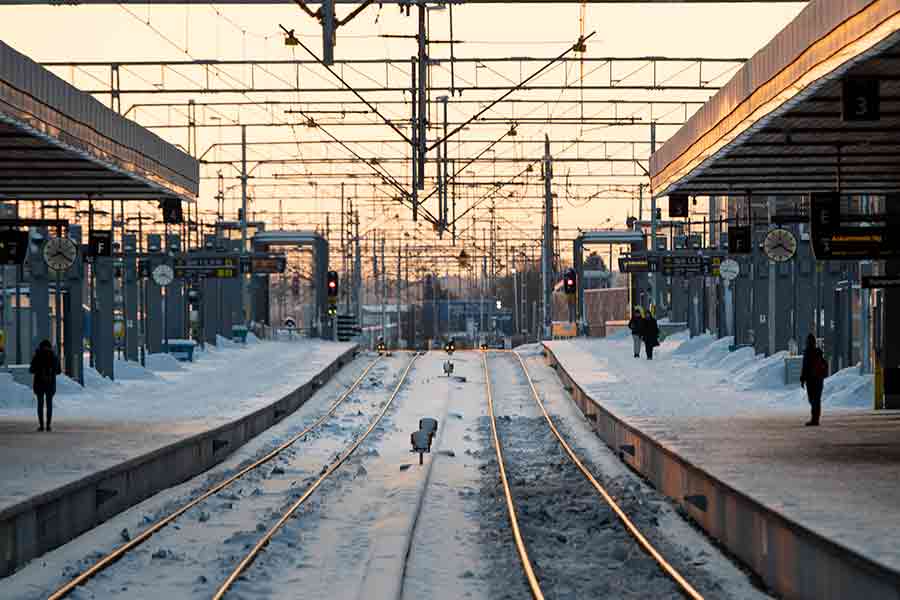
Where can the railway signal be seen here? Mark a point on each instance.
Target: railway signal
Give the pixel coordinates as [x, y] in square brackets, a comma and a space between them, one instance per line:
[570, 283]
[332, 286]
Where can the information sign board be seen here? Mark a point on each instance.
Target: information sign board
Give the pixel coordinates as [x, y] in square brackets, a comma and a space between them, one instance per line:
[13, 247]
[880, 281]
[210, 265]
[635, 264]
[848, 237]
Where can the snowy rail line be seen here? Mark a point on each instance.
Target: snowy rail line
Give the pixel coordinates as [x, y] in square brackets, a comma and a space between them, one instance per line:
[114, 556]
[544, 487]
[264, 541]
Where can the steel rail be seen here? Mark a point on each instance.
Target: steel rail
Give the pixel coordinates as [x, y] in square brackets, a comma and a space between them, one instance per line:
[119, 552]
[645, 544]
[533, 584]
[264, 541]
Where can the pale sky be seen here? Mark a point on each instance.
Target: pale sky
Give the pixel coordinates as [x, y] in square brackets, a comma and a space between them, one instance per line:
[107, 33]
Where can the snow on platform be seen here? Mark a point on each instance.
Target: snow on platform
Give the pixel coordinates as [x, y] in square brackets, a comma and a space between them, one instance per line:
[731, 415]
[109, 422]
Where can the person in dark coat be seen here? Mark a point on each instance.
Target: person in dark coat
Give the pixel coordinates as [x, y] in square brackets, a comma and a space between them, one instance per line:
[45, 368]
[812, 377]
[650, 333]
[635, 325]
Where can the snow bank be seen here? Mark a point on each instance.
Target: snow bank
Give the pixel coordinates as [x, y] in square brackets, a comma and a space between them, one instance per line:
[223, 342]
[698, 377]
[690, 345]
[764, 374]
[737, 360]
[848, 389]
[251, 338]
[715, 353]
[163, 363]
[127, 371]
[14, 395]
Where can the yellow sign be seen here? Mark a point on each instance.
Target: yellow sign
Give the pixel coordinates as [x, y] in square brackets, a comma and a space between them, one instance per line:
[563, 329]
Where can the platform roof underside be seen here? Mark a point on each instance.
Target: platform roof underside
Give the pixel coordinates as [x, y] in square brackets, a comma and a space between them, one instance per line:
[57, 143]
[777, 129]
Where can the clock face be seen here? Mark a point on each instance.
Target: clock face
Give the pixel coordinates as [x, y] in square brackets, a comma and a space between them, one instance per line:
[60, 253]
[163, 275]
[780, 245]
[729, 269]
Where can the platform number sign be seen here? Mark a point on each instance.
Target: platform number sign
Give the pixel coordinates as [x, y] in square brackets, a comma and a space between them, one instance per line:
[860, 100]
[739, 240]
[100, 243]
[171, 209]
[678, 205]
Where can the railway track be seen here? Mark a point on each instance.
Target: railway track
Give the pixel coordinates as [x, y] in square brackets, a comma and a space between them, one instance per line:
[109, 559]
[251, 556]
[522, 489]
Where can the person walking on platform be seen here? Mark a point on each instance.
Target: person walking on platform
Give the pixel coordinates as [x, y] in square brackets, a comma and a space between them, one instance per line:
[812, 377]
[650, 333]
[45, 368]
[635, 325]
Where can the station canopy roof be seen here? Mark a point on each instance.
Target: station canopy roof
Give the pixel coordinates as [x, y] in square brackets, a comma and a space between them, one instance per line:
[58, 143]
[776, 128]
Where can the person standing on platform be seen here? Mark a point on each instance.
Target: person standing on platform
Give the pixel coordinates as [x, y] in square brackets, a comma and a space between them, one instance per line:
[45, 368]
[635, 325]
[812, 377]
[650, 333]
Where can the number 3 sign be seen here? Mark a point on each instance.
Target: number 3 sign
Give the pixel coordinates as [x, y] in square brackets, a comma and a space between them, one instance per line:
[860, 100]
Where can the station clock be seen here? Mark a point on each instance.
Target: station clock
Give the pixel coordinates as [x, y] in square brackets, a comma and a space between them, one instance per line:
[59, 253]
[780, 245]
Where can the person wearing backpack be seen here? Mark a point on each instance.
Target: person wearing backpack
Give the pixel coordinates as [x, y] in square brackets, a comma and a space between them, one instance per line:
[812, 377]
[650, 333]
[45, 368]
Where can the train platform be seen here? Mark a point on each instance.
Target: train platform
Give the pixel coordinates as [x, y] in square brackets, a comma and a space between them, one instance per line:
[117, 442]
[724, 438]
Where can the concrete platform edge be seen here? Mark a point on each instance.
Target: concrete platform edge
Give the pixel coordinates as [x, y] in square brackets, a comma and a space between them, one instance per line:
[793, 561]
[46, 521]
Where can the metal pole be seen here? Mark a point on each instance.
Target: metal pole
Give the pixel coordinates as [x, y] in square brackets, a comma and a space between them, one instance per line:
[142, 329]
[640, 215]
[381, 277]
[414, 124]
[445, 100]
[654, 287]
[422, 102]
[243, 219]
[772, 287]
[93, 304]
[399, 272]
[357, 270]
[481, 298]
[547, 248]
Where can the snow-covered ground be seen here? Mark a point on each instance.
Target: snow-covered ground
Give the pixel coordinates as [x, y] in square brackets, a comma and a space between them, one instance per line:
[696, 377]
[108, 422]
[385, 527]
[188, 558]
[224, 382]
